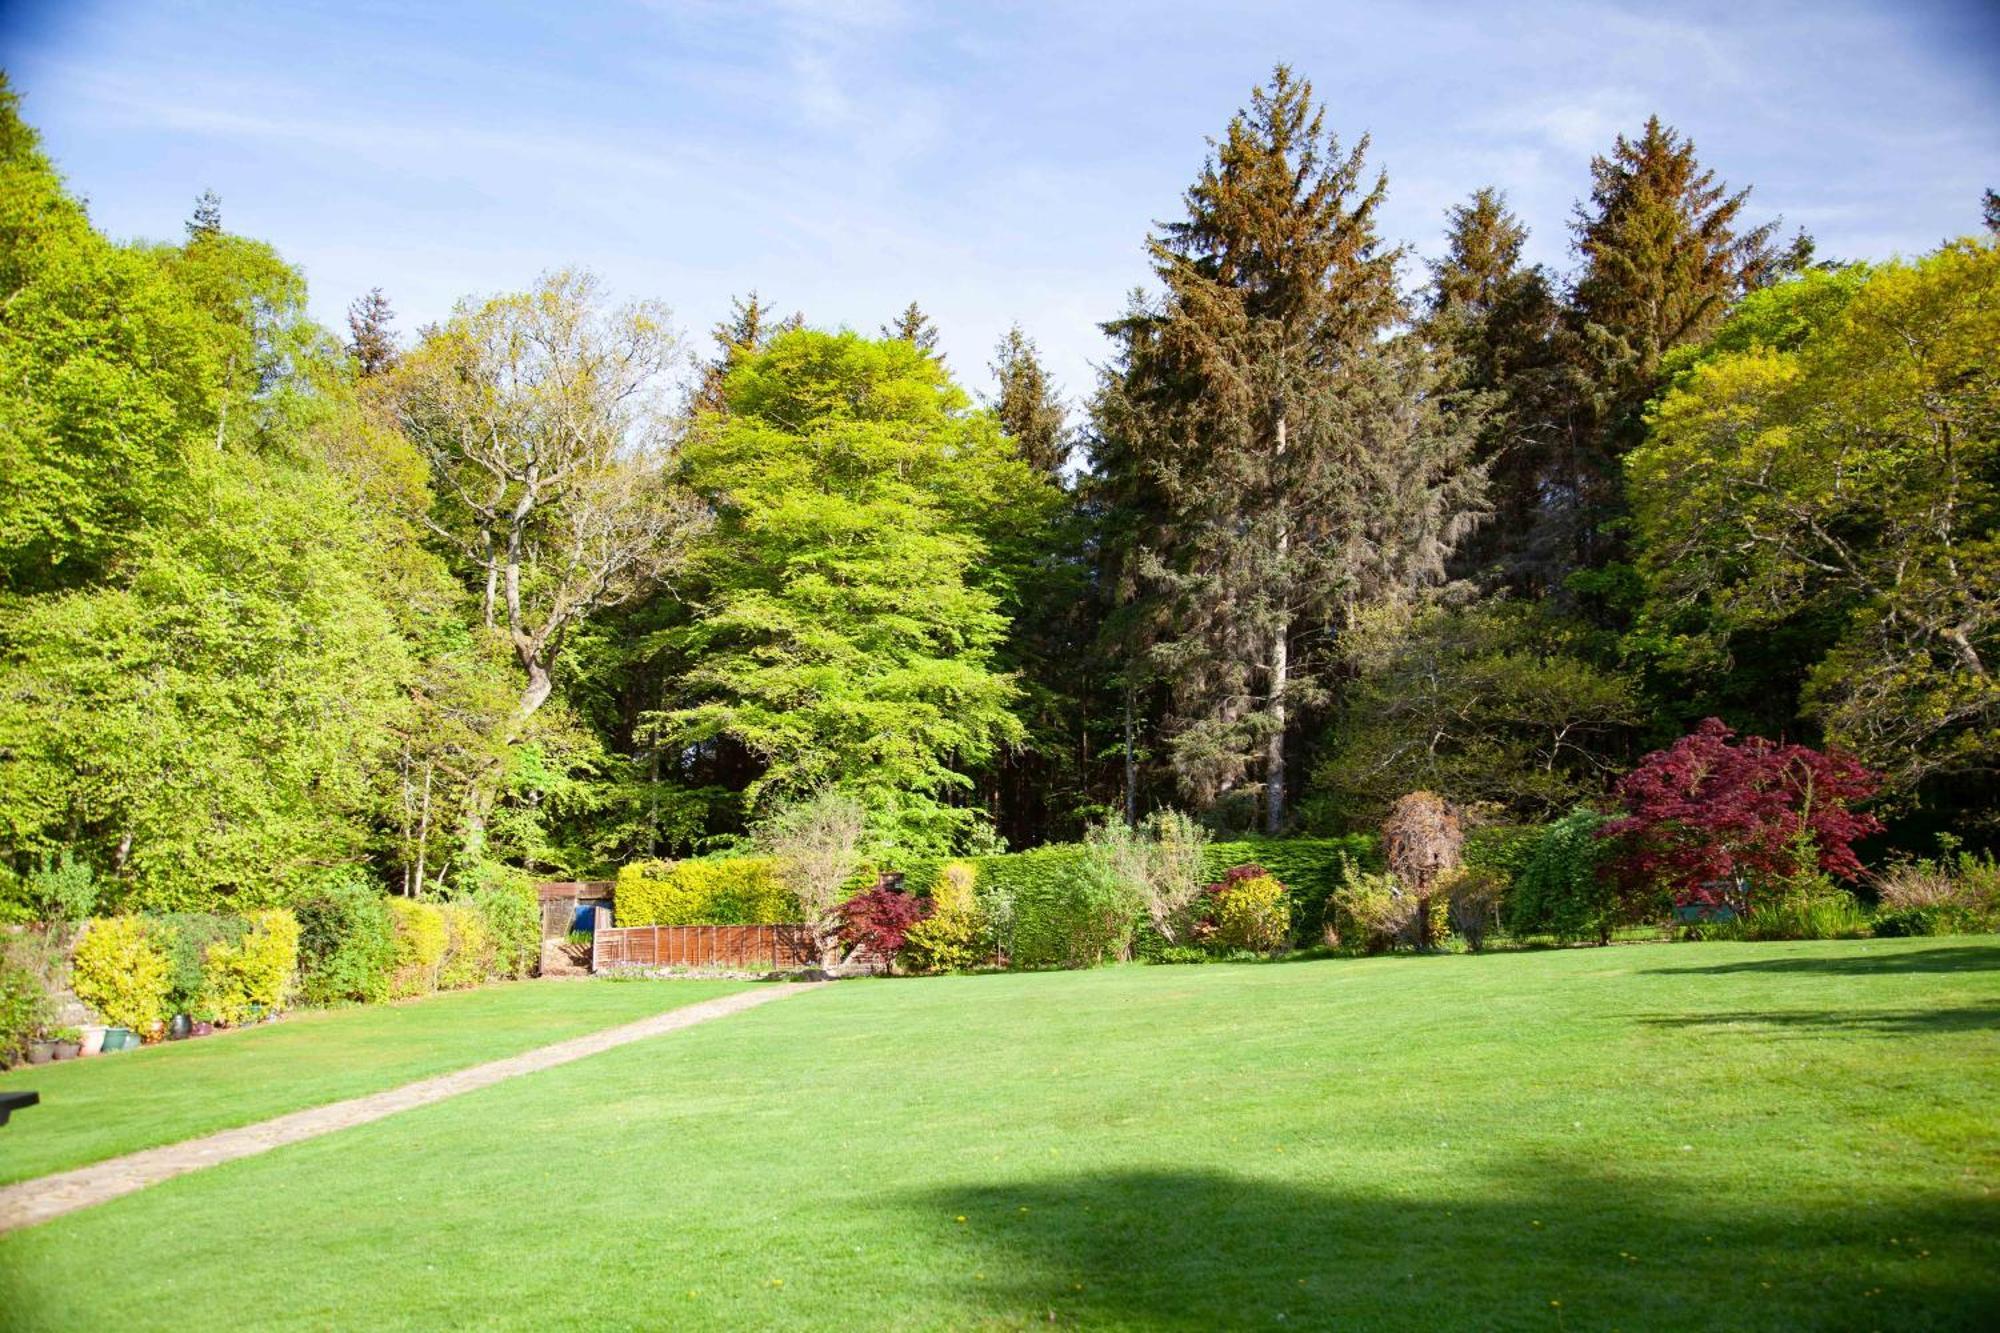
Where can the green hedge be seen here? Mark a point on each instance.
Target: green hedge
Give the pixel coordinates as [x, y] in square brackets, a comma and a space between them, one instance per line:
[1055, 907]
[1309, 868]
[728, 891]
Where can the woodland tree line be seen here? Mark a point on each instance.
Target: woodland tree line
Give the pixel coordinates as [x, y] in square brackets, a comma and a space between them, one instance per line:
[519, 591]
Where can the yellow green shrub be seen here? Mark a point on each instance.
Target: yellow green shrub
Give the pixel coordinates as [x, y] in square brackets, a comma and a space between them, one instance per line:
[736, 891]
[953, 937]
[121, 973]
[1255, 914]
[420, 946]
[255, 970]
[469, 947]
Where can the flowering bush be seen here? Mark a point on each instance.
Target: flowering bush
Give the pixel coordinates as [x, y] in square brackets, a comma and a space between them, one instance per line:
[1711, 808]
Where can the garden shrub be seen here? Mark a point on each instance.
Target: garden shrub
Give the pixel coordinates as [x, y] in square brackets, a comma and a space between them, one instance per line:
[24, 1010]
[1833, 915]
[468, 947]
[506, 901]
[727, 891]
[1254, 913]
[953, 936]
[1066, 906]
[1562, 890]
[879, 920]
[347, 943]
[1371, 912]
[420, 946]
[1308, 867]
[121, 973]
[254, 971]
[1951, 895]
[1472, 895]
[60, 888]
[185, 938]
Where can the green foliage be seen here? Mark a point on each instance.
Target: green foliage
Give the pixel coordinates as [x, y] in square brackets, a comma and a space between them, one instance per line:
[1369, 911]
[1309, 867]
[1832, 915]
[1473, 895]
[255, 971]
[1058, 907]
[506, 902]
[844, 619]
[1500, 703]
[727, 891]
[421, 941]
[25, 1009]
[1559, 889]
[185, 938]
[1254, 914]
[954, 936]
[469, 947]
[121, 973]
[60, 889]
[347, 942]
[1825, 473]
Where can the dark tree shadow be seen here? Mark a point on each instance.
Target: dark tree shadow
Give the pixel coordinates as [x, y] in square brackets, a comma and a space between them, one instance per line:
[1200, 1250]
[1944, 958]
[1883, 1023]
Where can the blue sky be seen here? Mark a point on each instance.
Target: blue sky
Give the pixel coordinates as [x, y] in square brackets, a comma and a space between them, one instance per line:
[996, 164]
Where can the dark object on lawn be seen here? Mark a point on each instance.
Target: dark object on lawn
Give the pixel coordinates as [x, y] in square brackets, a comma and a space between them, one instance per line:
[11, 1102]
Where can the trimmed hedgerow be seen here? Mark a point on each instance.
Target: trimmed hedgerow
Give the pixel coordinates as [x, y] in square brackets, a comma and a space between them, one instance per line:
[1057, 907]
[728, 891]
[420, 946]
[253, 971]
[121, 973]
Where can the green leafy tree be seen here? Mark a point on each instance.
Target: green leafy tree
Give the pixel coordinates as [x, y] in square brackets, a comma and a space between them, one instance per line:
[844, 620]
[1848, 472]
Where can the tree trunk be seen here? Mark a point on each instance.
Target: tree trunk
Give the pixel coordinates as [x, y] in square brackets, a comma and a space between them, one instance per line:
[1131, 767]
[1274, 752]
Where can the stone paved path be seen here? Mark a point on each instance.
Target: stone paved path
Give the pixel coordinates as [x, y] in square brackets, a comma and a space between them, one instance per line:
[31, 1201]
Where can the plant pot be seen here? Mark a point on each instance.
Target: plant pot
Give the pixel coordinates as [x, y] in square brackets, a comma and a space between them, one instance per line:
[178, 1029]
[202, 1027]
[93, 1041]
[119, 1039]
[41, 1052]
[68, 1050]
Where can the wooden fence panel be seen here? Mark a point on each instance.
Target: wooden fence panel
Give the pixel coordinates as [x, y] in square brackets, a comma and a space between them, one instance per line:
[747, 947]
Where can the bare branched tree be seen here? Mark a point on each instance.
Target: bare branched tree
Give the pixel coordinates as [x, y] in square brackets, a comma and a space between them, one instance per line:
[817, 844]
[545, 417]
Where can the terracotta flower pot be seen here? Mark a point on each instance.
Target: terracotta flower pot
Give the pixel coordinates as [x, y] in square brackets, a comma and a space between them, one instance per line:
[202, 1027]
[68, 1050]
[41, 1052]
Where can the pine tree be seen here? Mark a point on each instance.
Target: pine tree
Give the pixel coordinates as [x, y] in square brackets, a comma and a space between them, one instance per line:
[748, 331]
[1496, 321]
[1030, 409]
[1989, 210]
[207, 218]
[1665, 254]
[372, 340]
[1299, 449]
[914, 326]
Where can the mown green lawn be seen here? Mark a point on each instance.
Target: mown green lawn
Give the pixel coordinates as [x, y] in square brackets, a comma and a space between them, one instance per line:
[93, 1109]
[1662, 1136]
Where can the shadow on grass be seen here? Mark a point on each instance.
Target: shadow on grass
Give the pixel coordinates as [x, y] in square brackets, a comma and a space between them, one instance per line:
[1191, 1249]
[1883, 1023]
[1949, 958]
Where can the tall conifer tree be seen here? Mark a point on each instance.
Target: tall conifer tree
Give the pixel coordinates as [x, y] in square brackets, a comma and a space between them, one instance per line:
[1299, 449]
[1030, 409]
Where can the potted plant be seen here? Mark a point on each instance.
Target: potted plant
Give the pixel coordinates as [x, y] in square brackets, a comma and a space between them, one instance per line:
[93, 1040]
[204, 1022]
[179, 1027]
[41, 1050]
[69, 1043]
[119, 1039]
